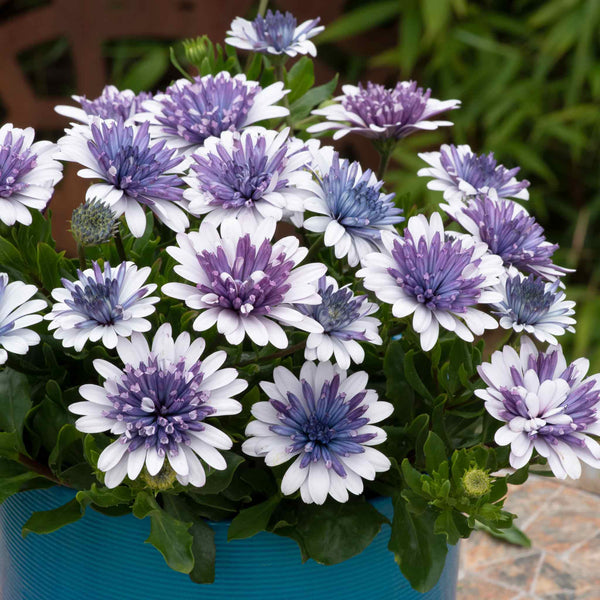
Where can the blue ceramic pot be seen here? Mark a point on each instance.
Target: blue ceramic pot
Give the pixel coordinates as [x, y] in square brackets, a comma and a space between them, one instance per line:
[104, 558]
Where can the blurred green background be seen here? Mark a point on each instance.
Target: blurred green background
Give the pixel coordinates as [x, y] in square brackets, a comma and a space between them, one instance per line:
[528, 75]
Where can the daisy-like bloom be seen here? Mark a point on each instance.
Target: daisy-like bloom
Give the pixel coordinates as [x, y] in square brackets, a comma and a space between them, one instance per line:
[345, 320]
[275, 33]
[324, 420]
[440, 280]
[136, 172]
[249, 175]
[111, 104]
[17, 313]
[533, 305]
[459, 173]
[244, 283]
[545, 405]
[509, 232]
[353, 208]
[158, 406]
[28, 174]
[189, 112]
[382, 113]
[102, 305]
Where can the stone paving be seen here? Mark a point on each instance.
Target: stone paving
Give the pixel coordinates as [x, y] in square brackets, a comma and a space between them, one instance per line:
[563, 562]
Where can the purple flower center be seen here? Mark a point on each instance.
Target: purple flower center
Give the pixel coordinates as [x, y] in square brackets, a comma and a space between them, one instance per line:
[480, 171]
[276, 29]
[98, 298]
[15, 163]
[242, 177]
[512, 235]
[358, 205]
[206, 107]
[252, 285]
[132, 164]
[327, 428]
[160, 403]
[113, 104]
[433, 275]
[338, 310]
[527, 301]
[376, 105]
[580, 404]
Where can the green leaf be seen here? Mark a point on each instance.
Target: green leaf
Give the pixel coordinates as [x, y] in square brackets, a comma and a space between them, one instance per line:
[48, 521]
[336, 532]
[13, 478]
[217, 481]
[512, 534]
[250, 521]
[435, 452]
[9, 444]
[105, 497]
[360, 19]
[15, 403]
[413, 377]
[48, 261]
[147, 71]
[300, 78]
[453, 524]
[203, 545]
[67, 436]
[419, 551]
[302, 107]
[10, 256]
[168, 535]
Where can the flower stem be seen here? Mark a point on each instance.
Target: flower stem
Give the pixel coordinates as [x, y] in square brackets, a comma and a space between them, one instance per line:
[40, 469]
[314, 249]
[262, 7]
[120, 247]
[81, 255]
[280, 354]
[384, 161]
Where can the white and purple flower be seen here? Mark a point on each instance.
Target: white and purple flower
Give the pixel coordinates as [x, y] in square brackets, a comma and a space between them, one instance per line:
[252, 175]
[460, 173]
[112, 104]
[324, 421]
[16, 314]
[440, 280]
[244, 283]
[276, 33]
[345, 320]
[28, 174]
[352, 209]
[383, 113]
[509, 232]
[158, 406]
[546, 406]
[135, 171]
[189, 112]
[102, 305]
[535, 306]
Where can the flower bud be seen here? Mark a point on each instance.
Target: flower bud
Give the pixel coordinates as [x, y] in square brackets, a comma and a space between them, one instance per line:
[162, 481]
[476, 482]
[93, 223]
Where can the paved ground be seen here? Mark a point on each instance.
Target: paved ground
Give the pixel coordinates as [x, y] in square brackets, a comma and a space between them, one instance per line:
[563, 563]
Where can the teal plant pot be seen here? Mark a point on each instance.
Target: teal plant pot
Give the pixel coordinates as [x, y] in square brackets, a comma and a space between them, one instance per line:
[105, 558]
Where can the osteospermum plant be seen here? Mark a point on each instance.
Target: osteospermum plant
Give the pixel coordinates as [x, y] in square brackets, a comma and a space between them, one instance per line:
[256, 324]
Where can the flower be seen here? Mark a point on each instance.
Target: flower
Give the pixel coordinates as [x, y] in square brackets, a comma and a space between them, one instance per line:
[93, 223]
[158, 405]
[459, 173]
[136, 172]
[276, 33]
[28, 174]
[440, 280]
[111, 104]
[545, 405]
[345, 320]
[16, 313]
[250, 175]
[509, 232]
[105, 305]
[354, 209]
[382, 113]
[243, 283]
[532, 305]
[189, 112]
[325, 421]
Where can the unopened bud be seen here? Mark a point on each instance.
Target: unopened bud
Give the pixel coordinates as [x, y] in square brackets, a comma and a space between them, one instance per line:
[93, 223]
[476, 482]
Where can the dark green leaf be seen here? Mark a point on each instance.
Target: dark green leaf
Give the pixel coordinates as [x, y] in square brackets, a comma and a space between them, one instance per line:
[105, 497]
[435, 452]
[300, 78]
[413, 377]
[15, 402]
[250, 521]
[302, 107]
[48, 521]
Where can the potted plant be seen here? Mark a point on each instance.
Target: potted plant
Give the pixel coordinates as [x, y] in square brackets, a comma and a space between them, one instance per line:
[308, 409]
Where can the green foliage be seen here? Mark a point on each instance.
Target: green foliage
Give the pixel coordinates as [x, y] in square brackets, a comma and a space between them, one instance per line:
[47, 521]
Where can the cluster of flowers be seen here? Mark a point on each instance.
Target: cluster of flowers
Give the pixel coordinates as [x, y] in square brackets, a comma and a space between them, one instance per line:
[195, 150]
